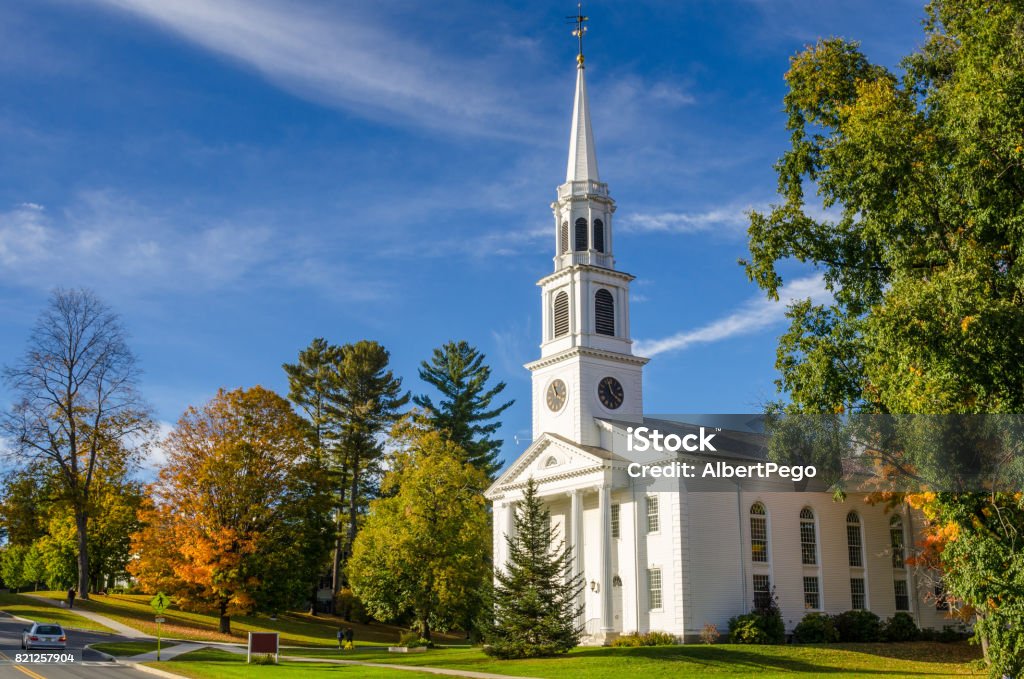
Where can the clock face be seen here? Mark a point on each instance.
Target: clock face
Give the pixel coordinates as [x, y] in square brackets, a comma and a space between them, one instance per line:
[610, 392]
[557, 391]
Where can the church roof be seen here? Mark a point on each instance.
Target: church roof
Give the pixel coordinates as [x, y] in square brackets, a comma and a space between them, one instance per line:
[730, 444]
[582, 156]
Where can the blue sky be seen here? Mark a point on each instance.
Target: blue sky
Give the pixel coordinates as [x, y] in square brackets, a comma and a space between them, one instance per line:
[236, 178]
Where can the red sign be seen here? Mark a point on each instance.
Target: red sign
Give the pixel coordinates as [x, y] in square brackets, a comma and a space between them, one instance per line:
[263, 642]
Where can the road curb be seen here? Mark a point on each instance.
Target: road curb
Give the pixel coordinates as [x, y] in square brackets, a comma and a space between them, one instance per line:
[152, 670]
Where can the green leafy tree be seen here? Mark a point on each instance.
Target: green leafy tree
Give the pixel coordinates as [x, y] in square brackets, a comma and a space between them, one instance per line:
[423, 550]
[76, 409]
[465, 410]
[536, 610]
[924, 174]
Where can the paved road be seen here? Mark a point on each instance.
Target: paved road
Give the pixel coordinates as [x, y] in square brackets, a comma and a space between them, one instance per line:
[91, 663]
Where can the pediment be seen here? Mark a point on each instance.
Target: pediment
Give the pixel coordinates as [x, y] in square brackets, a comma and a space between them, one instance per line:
[550, 457]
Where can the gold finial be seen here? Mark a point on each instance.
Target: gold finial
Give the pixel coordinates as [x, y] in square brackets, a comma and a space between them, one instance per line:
[579, 31]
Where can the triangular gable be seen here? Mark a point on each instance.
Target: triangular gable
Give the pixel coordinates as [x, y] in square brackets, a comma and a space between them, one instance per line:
[549, 455]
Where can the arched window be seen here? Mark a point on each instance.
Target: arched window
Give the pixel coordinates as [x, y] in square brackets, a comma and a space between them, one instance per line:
[808, 538]
[854, 544]
[599, 235]
[758, 533]
[561, 320]
[581, 234]
[604, 313]
[896, 540]
[551, 462]
[563, 239]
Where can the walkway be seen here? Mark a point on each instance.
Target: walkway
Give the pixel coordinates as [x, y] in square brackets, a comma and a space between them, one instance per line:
[120, 628]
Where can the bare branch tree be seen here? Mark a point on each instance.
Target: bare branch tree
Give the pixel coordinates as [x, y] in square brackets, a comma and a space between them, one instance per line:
[76, 409]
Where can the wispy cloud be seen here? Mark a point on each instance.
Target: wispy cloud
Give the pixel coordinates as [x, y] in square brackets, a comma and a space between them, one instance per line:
[731, 219]
[103, 238]
[754, 315]
[336, 57]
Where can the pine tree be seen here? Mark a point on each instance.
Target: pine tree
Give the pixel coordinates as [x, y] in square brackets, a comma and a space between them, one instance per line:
[458, 371]
[536, 597]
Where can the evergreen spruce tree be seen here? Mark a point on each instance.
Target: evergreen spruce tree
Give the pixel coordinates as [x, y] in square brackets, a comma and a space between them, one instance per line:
[457, 370]
[536, 610]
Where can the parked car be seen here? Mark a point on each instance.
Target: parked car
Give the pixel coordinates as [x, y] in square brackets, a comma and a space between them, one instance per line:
[44, 635]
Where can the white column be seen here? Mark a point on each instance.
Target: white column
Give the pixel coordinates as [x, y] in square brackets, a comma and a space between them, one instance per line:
[508, 531]
[605, 548]
[576, 539]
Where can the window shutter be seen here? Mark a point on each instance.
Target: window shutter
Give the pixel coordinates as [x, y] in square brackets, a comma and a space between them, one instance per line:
[561, 325]
[563, 239]
[599, 235]
[581, 234]
[604, 313]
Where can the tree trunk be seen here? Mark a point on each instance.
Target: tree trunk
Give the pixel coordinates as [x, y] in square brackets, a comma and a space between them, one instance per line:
[425, 628]
[81, 526]
[352, 506]
[225, 621]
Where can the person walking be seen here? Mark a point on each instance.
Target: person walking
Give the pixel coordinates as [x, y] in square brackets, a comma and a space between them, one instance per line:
[71, 597]
[341, 638]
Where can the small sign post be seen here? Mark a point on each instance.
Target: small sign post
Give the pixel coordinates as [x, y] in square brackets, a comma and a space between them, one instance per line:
[263, 642]
[159, 603]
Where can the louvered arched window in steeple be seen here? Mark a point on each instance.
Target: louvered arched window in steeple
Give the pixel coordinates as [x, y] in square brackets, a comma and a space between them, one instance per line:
[599, 235]
[563, 238]
[581, 234]
[604, 313]
[561, 314]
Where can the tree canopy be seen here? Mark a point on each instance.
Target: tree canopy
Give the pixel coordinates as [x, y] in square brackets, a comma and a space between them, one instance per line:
[921, 175]
[466, 410]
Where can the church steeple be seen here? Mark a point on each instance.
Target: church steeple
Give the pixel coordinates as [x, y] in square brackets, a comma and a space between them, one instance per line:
[583, 211]
[582, 156]
[587, 369]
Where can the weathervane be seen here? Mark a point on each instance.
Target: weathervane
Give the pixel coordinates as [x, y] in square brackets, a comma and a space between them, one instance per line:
[579, 30]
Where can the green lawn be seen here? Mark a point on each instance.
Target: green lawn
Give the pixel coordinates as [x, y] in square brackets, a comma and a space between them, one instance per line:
[840, 661]
[23, 607]
[296, 629]
[130, 648]
[214, 664]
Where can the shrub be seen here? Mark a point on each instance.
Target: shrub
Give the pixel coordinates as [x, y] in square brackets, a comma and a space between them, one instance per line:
[900, 627]
[858, 626]
[759, 627]
[709, 634]
[263, 659]
[635, 639]
[815, 628]
[412, 640]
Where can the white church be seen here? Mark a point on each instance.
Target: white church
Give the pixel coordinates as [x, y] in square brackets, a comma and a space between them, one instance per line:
[667, 557]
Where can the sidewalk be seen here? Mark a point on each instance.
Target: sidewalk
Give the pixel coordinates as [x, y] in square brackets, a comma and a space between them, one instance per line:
[120, 628]
[180, 648]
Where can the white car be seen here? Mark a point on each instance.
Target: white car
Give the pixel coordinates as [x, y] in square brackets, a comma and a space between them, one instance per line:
[44, 635]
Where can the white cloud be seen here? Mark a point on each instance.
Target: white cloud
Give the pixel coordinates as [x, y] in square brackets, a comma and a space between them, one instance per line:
[730, 219]
[104, 239]
[754, 315]
[339, 58]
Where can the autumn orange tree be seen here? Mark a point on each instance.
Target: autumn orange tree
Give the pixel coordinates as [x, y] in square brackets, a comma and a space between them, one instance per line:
[239, 520]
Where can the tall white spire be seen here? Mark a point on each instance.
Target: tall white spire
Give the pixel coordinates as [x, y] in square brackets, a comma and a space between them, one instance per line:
[582, 156]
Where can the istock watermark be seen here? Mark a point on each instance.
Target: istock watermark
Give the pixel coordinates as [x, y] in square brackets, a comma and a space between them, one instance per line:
[722, 470]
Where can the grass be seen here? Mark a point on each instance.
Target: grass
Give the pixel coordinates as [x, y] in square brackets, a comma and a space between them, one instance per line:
[919, 659]
[296, 629]
[214, 664]
[24, 607]
[130, 648]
